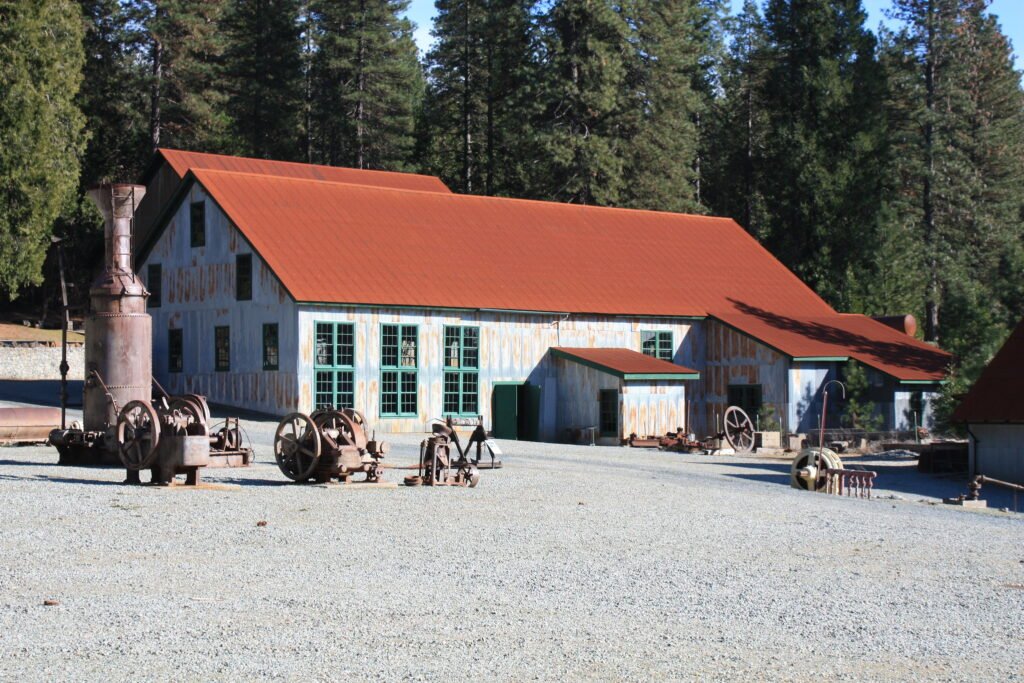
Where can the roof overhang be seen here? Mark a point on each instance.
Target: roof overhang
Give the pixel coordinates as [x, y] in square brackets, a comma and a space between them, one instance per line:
[625, 365]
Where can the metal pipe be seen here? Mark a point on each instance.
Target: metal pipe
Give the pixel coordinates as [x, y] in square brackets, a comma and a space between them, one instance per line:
[64, 324]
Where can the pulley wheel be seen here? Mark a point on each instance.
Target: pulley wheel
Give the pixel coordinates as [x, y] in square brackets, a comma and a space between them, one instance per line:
[469, 475]
[297, 446]
[808, 457]
[188, 407]
[739, 430]
[201, 401]
[335, 429]
[138, 435]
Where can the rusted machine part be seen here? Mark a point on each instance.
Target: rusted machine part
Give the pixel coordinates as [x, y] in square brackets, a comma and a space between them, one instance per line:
[805, 473]
[438, 467]
[649, 442]
[739, 430]
[478, 439]
[855, 483]
[28, 425]
[166, 442]
[328, 445]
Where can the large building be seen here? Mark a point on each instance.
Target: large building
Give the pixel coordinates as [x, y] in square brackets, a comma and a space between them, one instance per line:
[993, 411]
[279, 287]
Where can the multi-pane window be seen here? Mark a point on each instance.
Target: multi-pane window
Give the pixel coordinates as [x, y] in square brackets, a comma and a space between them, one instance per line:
[175, 350]
[270, 347]
[657, 344]
[243, 277]
[153, 276]
[609, 412]
[221, 348]
[398, 373]
[461, 370]
[334, 366]
[197, 224]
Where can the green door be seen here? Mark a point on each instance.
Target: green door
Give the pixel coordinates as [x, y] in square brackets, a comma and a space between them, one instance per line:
[505, 411]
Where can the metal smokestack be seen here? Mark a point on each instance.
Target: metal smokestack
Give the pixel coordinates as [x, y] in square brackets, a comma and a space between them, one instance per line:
[118, 331]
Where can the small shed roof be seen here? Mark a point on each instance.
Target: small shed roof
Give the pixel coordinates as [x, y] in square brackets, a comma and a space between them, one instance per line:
[626, 363]
[841, 336]
[998, 395]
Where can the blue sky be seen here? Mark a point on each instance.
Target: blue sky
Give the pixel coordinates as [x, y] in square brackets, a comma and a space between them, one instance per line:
[1010, 13]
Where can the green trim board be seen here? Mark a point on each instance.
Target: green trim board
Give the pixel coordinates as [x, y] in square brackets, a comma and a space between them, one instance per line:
[821, 359]
[627, 376]
[923, 381]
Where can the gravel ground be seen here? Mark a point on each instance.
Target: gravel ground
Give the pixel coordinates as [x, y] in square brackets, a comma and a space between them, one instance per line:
[572, 563]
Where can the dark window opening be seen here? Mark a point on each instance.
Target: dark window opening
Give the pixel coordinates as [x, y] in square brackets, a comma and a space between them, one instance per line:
[747, 397]
[609, 417]
[154, 274]
[243, 277]
[197, 224]
[222, 349]
[175, 350]
[270, 348]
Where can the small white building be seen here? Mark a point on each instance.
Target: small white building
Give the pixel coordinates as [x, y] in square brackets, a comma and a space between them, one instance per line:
[279, 287]
[994, 413]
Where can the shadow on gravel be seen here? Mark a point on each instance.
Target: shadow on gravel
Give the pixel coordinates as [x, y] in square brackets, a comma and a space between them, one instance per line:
[765, 478]
[60, 480]
[252, 482]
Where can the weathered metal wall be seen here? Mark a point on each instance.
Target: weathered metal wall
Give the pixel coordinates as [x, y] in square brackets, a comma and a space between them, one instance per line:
[198, 294]
[658, 407]
[998, 451]
[513, 348]
[578, 404]
[731, 357]
[901, 415]
[806, 380]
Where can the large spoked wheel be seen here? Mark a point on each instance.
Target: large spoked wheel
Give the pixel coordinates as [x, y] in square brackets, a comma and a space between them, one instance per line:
[469, 475]
[297, 446]
[138, 435]
[739, 430]
[335, 429]
[189, 408]
[201, 402]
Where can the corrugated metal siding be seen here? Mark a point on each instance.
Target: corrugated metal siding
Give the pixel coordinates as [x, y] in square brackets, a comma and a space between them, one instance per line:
[513, 348]
[654, 407]
[999, 451]
[578, 402]
[198, 293]
[734, 358]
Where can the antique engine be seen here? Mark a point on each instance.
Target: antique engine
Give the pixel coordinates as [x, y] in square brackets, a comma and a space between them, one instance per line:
[327, 445]
[121, 422]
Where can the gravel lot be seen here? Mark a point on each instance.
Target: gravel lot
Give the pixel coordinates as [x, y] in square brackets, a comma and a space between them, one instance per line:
[572, 563]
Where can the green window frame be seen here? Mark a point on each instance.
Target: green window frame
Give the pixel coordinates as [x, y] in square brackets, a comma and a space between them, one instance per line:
[461, 355]
[221, 348]
[657, 344]
[175, 349]
[271, 347]
[334, 357]
[197, 224]
[399, 370]
[243, 277]
[608, 412]
[154, 277]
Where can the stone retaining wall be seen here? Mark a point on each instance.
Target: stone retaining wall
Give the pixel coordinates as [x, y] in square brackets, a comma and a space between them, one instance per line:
[36, 360]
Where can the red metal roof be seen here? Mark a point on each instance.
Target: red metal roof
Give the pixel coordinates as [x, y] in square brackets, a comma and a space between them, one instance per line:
[339, 243]
[336, 242]
[841, 335]
[625, 362]
[182, 162]
[997, 396]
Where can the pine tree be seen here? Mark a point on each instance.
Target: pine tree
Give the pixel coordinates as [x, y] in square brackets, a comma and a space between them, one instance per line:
[822, 160]
[586, 122]
[958, 172]
[367, 83]
[738, 128]
[661, 157]
[187, 97]
[40, 130]
[263, 73]
[481, 95]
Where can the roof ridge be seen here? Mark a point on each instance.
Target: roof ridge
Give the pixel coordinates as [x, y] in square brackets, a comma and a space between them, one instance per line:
[516, 200]
[291, 163]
